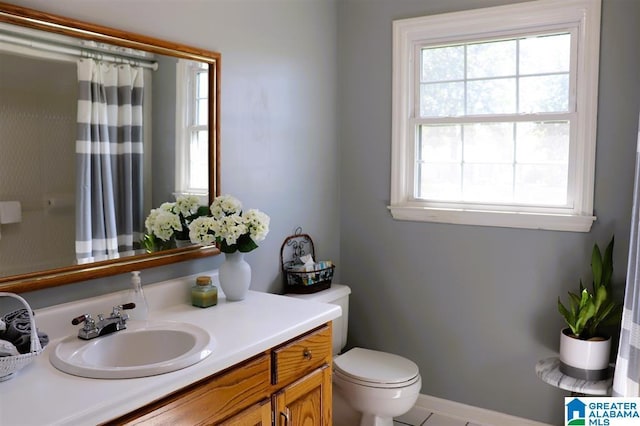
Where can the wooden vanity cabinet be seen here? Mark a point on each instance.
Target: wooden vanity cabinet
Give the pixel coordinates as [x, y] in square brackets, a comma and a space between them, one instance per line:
[256, 415]
[304, 402]
[287, 385]
[301, 371]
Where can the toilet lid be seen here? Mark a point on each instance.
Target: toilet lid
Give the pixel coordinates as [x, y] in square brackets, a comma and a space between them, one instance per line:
[376, 367]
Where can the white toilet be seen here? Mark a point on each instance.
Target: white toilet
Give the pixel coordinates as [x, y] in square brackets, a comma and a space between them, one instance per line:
[377, 384]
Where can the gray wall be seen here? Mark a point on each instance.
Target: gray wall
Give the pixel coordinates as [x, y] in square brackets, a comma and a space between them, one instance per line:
[37, 121]
[475, 307]
[163, 132]
[279, 126]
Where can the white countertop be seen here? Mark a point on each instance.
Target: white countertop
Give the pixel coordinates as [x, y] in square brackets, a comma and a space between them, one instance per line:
[42, 395]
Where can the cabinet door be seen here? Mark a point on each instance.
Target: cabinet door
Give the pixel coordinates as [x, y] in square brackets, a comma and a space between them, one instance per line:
[256, 415]
[306, 402]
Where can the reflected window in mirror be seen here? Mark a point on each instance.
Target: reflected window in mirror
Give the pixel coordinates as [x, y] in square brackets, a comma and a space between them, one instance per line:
[192, 129]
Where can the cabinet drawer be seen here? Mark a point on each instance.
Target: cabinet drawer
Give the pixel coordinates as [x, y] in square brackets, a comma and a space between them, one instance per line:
[209, 401]
[298, 357]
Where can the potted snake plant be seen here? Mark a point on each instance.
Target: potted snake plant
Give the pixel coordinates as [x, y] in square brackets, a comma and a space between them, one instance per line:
[585, 348]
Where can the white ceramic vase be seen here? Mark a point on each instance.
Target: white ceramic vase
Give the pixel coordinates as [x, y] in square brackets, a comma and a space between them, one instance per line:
[235, 276]
[584, 359]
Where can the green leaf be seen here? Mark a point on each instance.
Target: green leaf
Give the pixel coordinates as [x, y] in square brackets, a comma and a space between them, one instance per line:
[148, 243]
[605, 311]
[246, 244]
[607, 266]
[563, 311]
[601, 296]
[584, 299]
[226, 248]
[614, 317]
[600, 316]
[568, 316]
[585, 315]
[574, 299]
[596, 266]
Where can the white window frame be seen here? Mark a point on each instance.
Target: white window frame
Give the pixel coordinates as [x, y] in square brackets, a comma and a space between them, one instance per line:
[580, 17]
[186, 96]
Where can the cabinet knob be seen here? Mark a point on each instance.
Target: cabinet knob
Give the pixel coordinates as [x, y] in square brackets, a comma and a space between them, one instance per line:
[306, 354]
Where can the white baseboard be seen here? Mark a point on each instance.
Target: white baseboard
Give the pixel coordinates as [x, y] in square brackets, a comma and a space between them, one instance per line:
[467, 412]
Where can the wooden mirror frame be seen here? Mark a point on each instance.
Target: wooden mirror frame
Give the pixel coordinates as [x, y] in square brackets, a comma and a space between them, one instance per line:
[69, 274]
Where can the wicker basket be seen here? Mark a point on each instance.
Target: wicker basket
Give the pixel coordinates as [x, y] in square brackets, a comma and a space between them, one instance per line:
[9, 365]
[296, 281]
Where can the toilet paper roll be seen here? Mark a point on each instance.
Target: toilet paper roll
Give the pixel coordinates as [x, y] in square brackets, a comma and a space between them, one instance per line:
[55, 202]
[10, 212]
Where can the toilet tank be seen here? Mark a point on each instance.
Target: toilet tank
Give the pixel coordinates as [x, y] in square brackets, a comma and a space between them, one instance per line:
[337, 294]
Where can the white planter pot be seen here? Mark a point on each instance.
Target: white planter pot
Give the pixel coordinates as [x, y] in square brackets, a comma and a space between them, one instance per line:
[584, 359]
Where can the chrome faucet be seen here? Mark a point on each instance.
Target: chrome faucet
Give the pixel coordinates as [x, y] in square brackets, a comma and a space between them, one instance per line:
[114, 322]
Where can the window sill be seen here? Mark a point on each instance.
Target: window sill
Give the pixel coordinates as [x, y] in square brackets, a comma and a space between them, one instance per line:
[551, 222]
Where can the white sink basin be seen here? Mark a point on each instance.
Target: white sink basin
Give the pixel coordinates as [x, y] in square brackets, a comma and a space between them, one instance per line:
[145, 348]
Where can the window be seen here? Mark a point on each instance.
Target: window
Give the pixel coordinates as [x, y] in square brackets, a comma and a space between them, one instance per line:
[192, 129]
[494, 116]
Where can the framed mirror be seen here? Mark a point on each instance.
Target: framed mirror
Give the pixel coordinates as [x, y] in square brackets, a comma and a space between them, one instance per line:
[173, 136]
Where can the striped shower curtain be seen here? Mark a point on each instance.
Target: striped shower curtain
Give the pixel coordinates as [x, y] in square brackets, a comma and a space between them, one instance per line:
[626, 380]
[108, 160]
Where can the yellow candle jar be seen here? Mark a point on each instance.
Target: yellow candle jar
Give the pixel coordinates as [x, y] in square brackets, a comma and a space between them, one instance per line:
[204, 293]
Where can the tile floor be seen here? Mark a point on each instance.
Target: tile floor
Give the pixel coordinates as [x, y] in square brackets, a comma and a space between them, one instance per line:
[419, 416]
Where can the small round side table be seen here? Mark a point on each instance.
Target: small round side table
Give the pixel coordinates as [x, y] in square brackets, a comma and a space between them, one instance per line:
[548, 370]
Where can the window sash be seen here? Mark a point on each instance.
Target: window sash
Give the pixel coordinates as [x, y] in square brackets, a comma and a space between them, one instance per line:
[518, 37]
[416, 119]
[188, 128]
[517, 187]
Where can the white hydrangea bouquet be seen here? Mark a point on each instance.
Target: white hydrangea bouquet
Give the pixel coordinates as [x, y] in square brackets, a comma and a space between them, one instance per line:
[170, 222]
[228, 226]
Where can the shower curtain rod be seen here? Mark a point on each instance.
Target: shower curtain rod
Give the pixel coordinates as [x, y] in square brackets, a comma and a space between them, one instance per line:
[75, 52]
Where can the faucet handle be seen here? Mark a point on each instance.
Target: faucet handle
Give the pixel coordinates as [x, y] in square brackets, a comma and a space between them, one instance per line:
[89, 323]
[82, 318]
[116, 309]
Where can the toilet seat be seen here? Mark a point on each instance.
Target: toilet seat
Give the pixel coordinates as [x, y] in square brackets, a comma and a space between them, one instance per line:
[338, 375]
[376, 369]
